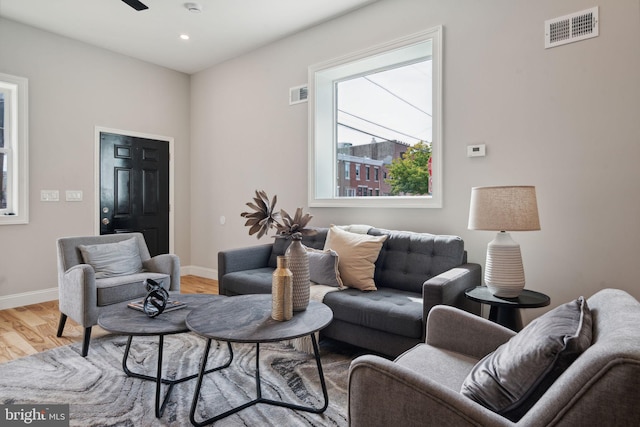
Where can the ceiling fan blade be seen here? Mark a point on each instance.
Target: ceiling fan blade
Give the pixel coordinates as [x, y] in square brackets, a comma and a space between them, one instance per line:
[137, 5]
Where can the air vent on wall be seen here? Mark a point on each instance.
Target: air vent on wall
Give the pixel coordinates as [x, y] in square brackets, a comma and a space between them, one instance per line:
[298, 94]
[571, 28]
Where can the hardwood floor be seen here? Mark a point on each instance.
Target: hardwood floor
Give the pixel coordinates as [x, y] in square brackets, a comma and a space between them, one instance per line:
[32, 328]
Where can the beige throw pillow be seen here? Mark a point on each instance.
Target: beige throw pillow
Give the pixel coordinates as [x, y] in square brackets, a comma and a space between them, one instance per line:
[357, 254]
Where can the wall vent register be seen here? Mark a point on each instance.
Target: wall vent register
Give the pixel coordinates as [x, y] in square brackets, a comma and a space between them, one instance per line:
[298, 94]
[571, 28]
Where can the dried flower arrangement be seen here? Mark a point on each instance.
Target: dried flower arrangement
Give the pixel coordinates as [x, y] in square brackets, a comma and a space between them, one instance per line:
[266, 217]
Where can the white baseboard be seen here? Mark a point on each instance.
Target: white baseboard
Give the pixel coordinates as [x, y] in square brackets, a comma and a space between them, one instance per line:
[28, 298]
[36, 297]
[207, 273]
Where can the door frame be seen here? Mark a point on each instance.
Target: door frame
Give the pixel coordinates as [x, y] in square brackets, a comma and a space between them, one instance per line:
[169, 139]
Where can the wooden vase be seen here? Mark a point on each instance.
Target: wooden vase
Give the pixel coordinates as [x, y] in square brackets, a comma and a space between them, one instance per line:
[282, 291]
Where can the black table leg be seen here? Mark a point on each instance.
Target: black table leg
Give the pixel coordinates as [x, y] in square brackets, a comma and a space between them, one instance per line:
[506, 316]
[259, 398]
[159, 407]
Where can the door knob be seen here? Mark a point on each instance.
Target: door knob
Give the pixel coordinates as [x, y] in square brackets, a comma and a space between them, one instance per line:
[105, 221]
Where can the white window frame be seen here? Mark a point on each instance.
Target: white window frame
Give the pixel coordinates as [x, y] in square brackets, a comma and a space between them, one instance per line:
[322, 129]
[17, 147]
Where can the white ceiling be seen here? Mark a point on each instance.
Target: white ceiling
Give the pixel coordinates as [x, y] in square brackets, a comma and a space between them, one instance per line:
[224, 29]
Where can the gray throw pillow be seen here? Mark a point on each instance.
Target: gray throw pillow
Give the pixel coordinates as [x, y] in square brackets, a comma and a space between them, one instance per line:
[510, 380]
[113, 259]
[323, 267]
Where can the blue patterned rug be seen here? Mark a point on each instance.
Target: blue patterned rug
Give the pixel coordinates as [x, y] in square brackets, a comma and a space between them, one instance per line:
[100, 394]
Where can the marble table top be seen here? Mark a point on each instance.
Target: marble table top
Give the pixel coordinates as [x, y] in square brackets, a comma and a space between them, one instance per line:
[247, 318]
[121, 319]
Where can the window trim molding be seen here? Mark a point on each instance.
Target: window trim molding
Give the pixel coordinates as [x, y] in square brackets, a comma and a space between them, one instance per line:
[20, 161]
[318, 153]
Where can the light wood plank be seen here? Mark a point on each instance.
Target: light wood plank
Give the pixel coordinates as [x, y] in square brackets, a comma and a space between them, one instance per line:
[32, 328]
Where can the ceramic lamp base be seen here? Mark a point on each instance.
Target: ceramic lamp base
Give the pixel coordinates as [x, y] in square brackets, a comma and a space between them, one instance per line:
[504, 272]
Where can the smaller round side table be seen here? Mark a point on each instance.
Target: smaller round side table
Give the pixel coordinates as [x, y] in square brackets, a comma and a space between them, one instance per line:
[506, 311]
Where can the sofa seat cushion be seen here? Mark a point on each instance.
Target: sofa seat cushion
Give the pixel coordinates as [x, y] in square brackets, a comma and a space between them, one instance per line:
[444, 367]
[113, 290]
[255, 281]
[388, 310]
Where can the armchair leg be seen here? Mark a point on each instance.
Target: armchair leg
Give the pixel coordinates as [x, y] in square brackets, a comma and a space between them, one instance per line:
[63, 320]
[85, 342]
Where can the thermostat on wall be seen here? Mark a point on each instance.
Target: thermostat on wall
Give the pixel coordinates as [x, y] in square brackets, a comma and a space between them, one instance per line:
[476, 150]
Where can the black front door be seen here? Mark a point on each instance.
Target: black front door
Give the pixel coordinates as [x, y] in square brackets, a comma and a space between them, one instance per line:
[134, 188]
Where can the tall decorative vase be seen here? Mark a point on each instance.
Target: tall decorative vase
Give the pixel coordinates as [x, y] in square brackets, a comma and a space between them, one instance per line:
[299, 266]
[282, 291]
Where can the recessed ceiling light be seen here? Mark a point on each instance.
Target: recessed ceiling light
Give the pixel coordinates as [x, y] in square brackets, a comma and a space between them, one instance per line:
[184, 36]
[193, 7]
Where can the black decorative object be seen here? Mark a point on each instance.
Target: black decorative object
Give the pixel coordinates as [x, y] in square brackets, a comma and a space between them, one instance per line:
[156, 299]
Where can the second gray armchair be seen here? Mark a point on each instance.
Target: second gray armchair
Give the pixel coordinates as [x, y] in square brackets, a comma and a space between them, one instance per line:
[422, 387]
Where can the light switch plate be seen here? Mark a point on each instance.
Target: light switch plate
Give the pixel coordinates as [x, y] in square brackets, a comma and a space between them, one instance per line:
[476, 150]
[49, 195]
[74, 195]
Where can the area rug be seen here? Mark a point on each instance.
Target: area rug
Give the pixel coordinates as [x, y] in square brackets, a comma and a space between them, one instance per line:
[100, 394]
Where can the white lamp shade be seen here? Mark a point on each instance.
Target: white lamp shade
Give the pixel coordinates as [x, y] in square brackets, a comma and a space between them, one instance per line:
[512, 208]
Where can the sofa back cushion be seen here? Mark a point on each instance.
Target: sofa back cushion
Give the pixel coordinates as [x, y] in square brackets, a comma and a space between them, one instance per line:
[280, 245]
[409, 259]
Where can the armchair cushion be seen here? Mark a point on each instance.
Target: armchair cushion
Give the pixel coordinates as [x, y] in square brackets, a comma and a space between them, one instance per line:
[112, 290]
[113, 259]
[511, 379]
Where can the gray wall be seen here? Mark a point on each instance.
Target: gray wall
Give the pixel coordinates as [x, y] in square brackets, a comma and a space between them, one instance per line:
[74, 87]
[565, 120]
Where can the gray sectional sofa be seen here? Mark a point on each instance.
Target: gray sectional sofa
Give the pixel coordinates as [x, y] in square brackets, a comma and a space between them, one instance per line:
[413, 273]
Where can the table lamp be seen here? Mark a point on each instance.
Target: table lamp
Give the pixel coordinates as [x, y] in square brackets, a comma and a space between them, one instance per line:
[503, 209]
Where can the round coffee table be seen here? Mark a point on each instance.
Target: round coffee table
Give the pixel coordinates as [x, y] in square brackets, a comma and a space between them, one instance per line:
[505, 311]
[247, 319]
[123, 320]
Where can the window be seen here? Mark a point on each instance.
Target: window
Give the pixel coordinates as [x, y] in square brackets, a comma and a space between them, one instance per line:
[347, 170]
[376, 175]
[13, 150]
[373, 106]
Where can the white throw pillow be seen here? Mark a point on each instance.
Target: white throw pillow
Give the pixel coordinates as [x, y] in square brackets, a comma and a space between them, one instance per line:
[357, 254]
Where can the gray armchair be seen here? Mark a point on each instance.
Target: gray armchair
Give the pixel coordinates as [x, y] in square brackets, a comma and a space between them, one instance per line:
[422, 386]
[83, 296]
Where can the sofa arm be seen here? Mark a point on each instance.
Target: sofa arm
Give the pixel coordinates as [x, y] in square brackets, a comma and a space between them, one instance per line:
[77, 294]
[417, 400]
[450, 328]
[448, 288]
[242, 259]
[165, 264]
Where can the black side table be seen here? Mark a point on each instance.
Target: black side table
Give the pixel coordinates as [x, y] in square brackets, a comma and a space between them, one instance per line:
[505, 311]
